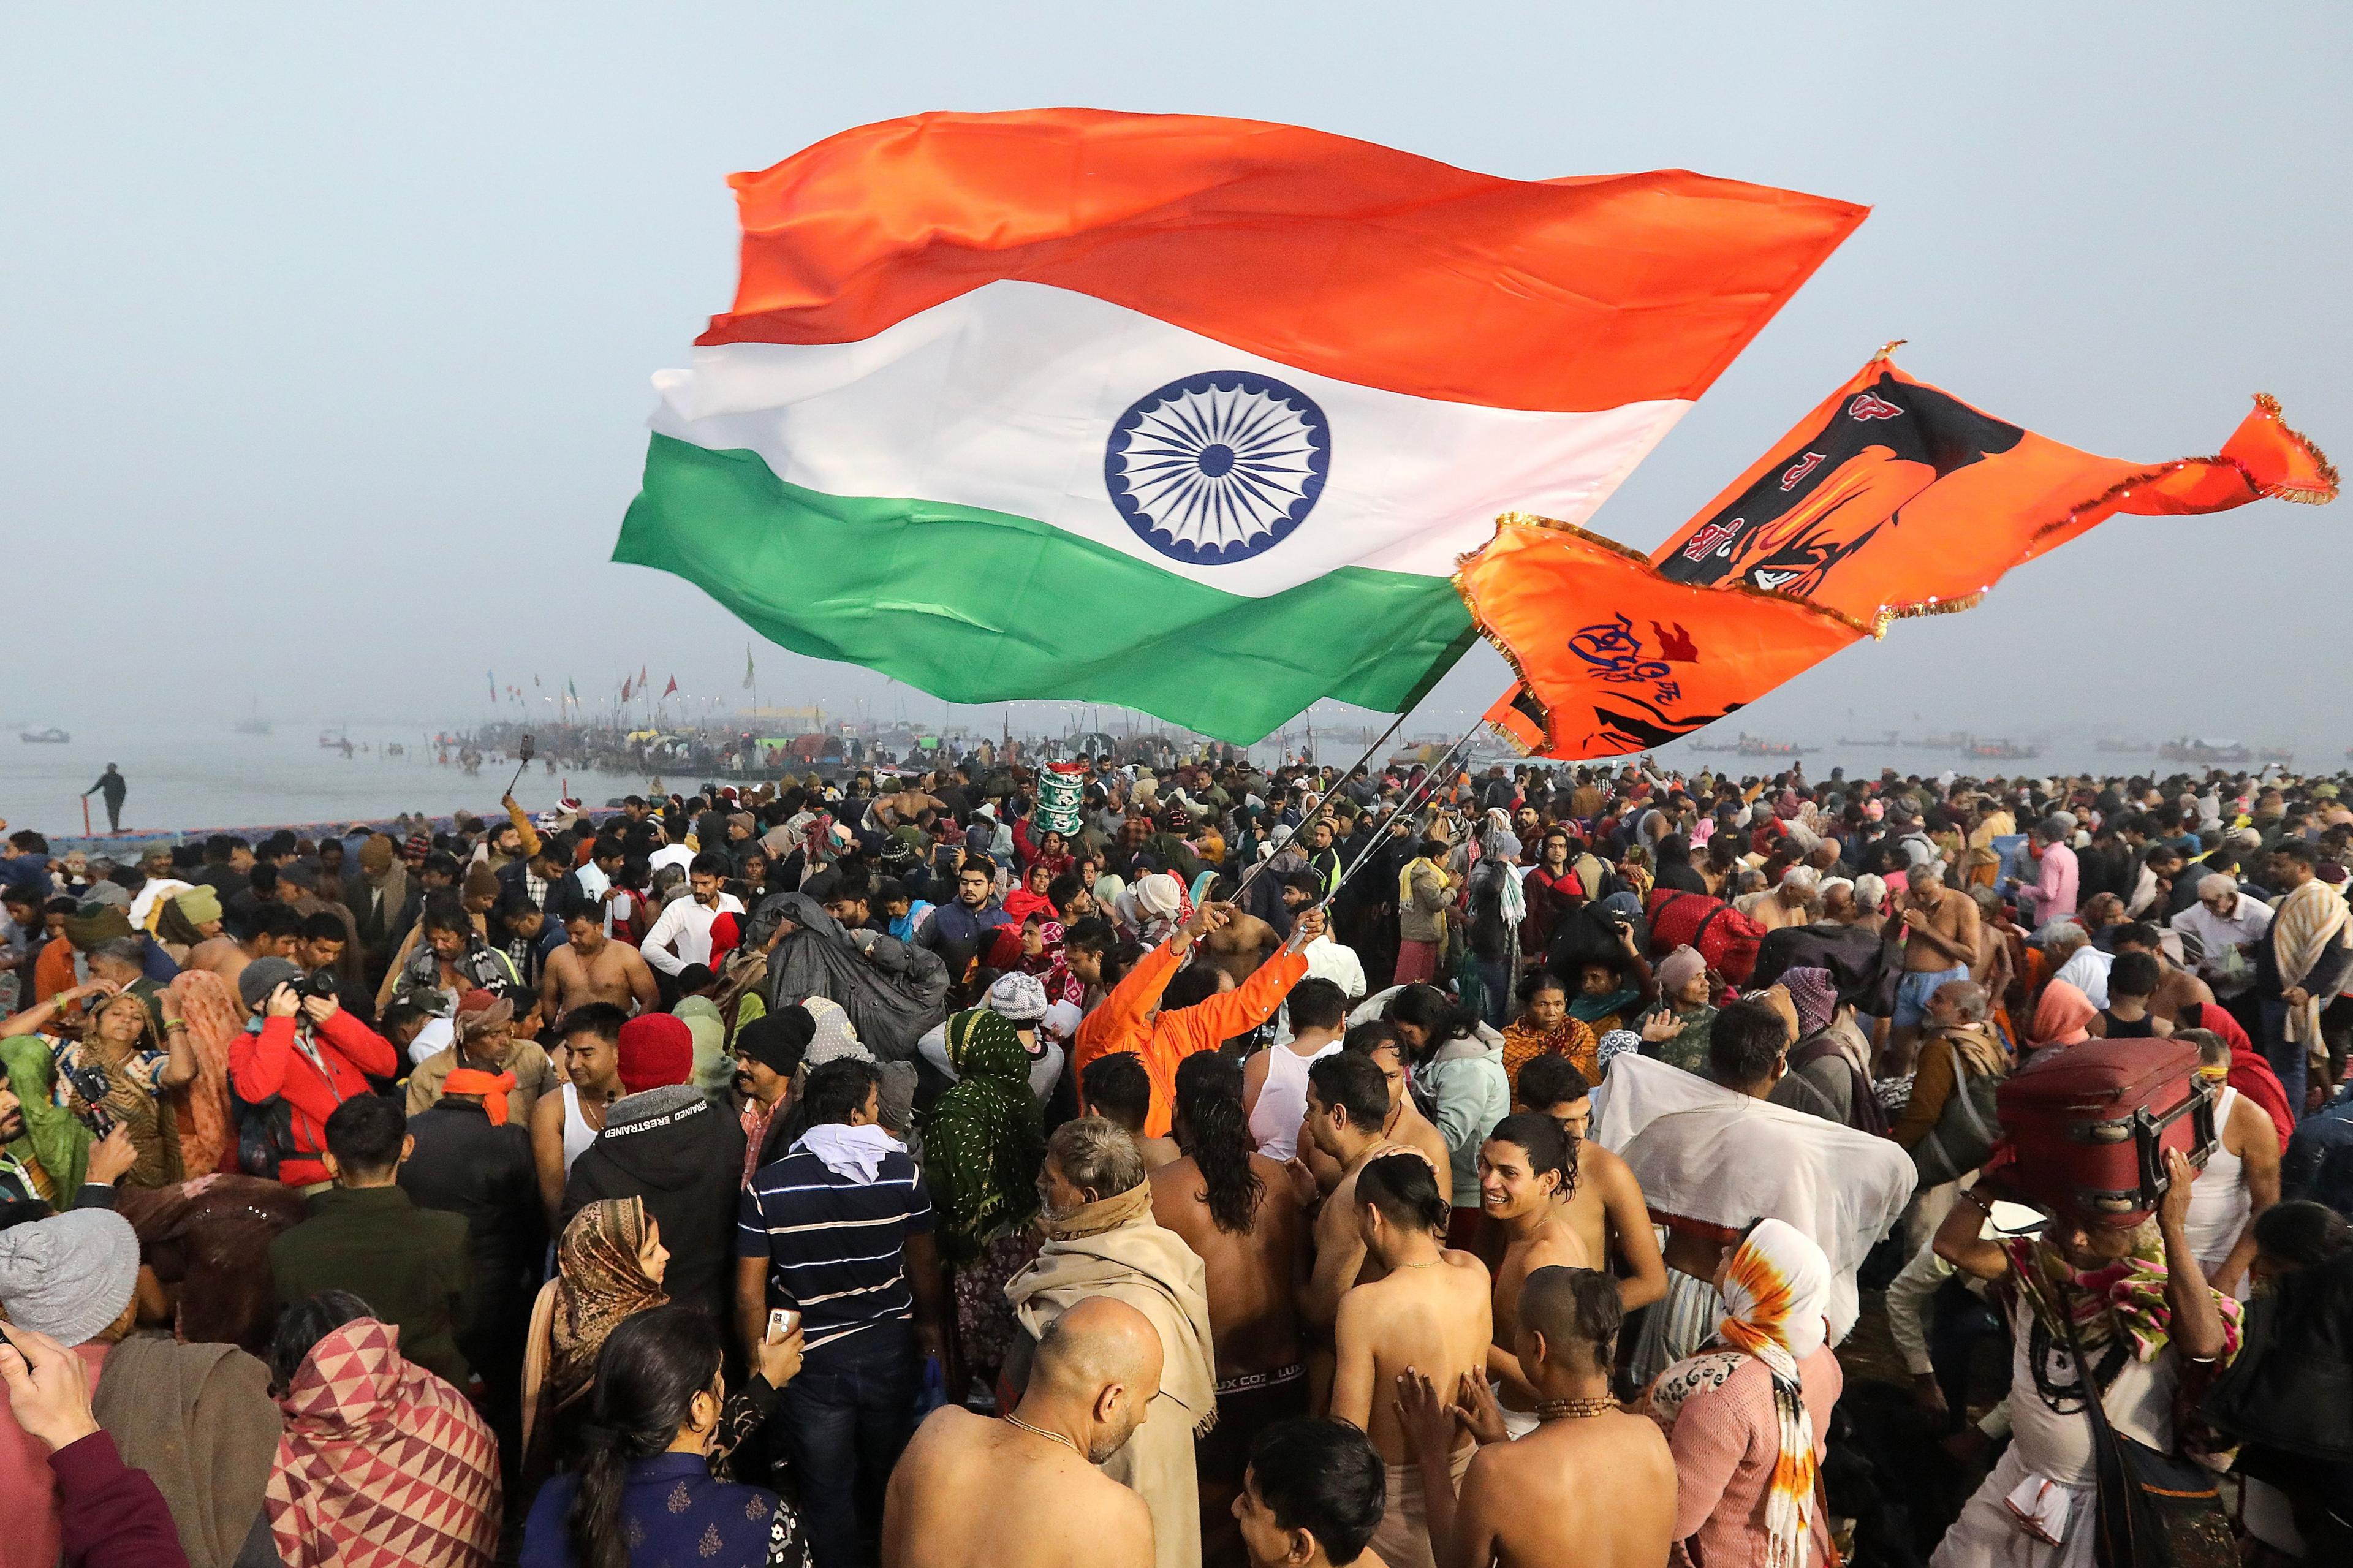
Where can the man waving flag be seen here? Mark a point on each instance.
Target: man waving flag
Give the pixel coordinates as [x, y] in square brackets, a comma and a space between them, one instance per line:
[1187, 413]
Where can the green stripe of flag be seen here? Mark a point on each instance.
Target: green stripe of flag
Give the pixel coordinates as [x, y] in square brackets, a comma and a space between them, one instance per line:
[981, 606]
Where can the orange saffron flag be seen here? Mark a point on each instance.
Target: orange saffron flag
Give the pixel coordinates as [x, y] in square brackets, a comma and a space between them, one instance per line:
[1894, 498]
[1612, 656]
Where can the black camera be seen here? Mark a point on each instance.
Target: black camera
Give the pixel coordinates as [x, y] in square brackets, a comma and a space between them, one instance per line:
[318, 983]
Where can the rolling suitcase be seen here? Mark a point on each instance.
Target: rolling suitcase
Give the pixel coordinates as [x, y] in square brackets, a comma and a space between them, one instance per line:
[2088, 1126]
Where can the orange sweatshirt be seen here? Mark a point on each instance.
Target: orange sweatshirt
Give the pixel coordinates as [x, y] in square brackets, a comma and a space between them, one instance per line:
[1118, 1022]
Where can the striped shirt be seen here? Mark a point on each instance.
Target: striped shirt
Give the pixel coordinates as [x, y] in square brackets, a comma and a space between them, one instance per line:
[834, 1246]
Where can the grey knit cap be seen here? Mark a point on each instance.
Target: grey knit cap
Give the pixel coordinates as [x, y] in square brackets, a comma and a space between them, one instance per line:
[70, 1275]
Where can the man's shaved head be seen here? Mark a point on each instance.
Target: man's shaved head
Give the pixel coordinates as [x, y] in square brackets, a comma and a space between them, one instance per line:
[1103, 1357]
[1575, 1309]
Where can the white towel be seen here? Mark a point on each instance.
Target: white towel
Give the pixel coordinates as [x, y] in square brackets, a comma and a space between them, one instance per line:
[854, 1152]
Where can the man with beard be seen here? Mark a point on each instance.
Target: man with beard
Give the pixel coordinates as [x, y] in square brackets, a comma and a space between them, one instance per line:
[971, 1492]
[1103, 1242]
[958, 932]
[1403, 1124]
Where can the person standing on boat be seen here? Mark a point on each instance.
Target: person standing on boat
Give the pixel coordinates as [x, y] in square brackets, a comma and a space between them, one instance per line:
[113, 787]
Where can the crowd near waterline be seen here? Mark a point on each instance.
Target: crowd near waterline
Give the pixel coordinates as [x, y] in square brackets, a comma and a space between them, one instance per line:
[1191, 1161]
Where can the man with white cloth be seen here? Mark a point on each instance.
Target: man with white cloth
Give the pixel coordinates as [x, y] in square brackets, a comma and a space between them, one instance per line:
[1102, 1241]
[1712, 1155]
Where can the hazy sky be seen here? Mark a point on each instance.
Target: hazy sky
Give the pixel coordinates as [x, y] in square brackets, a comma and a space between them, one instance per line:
[326, 329]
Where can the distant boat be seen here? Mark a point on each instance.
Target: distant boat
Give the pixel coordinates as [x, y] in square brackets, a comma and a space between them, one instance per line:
[333, 739]
[253, 724]
[1956, 741]
[2191, 750]
[1999, 750]
[1886, 740]
[52, 736]
[2276, 754]
[2118, 743]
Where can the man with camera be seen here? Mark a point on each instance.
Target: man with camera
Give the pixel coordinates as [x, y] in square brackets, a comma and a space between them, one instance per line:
[302, 1056]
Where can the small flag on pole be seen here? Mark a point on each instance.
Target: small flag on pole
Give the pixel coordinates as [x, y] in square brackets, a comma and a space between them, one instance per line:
[747, 667]
[672, 686]
[572, 690]
[492, 676]
[625, 688]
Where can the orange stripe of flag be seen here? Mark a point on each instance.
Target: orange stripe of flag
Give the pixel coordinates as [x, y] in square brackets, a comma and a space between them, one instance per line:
[1338, 257]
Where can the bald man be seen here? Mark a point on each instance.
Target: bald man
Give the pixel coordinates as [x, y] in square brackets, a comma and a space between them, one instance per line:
[1024, 1493]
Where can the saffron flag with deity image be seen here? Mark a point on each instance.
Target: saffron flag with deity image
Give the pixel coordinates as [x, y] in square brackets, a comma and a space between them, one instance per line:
[1894, 498]
[1614, 658]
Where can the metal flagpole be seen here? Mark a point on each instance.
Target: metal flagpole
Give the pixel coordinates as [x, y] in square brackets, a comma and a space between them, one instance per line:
[1414, 800]
[1324, 799]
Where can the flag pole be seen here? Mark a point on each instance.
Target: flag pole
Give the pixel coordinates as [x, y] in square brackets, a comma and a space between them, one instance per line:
[1415, 798]
[1316, 811]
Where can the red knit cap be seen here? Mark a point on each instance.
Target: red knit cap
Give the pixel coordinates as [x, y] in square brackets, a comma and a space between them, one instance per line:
[655, 1050]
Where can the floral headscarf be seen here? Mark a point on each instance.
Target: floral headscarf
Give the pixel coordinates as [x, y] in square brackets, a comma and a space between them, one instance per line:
[598, 1282]
[985, 1142]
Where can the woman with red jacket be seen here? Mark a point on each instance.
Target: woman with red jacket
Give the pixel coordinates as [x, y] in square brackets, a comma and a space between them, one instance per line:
[310, 1066]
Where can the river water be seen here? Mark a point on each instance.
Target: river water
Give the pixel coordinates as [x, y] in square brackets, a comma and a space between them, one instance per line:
[190, 778]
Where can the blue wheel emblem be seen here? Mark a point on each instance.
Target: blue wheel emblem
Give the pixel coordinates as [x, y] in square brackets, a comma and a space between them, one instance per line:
[1218, 466]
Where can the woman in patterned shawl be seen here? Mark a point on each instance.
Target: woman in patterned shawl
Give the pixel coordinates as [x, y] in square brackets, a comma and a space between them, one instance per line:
[985, 1145]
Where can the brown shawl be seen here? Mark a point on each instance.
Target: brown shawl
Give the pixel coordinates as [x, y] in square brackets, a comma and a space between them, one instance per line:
[199, 1420]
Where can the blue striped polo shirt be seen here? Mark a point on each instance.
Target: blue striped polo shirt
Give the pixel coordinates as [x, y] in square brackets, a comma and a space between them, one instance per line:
[834, 1246]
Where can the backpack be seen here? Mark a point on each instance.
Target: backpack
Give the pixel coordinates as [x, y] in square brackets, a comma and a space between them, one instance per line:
[265, 1133]
[1724, 937]
[1966, 1129]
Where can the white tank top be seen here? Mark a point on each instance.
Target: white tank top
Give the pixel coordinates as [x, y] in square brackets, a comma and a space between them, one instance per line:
[2218, 1199]
[1282, 1101]
[577, 1133]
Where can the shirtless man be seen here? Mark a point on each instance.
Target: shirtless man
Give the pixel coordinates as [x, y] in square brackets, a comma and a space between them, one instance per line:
[1431, 1312]
[275, 928]
[567, 1122]
[592, 967]
[1024, 1493]
[1939, 931]
[1604, 1203]
[1405, 1123]
[1244, 1214]
[1239, 945]
[2180, 993]
[1793, 902]
[1525, 1167]
[1533, 1503]
[1345, 1103]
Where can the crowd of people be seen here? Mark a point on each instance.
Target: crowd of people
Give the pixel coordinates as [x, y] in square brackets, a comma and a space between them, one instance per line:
[1413, 1168]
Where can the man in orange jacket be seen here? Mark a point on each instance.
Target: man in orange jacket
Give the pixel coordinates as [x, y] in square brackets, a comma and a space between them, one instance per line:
[1204, 1007]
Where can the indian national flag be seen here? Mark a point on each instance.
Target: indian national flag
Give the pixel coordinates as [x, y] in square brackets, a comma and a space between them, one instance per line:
[1187, 413]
